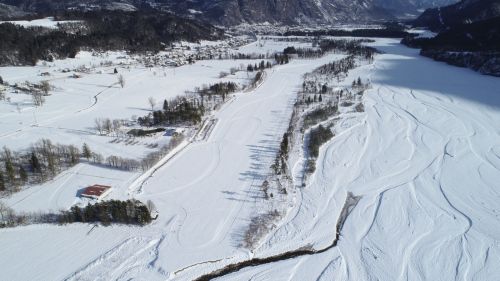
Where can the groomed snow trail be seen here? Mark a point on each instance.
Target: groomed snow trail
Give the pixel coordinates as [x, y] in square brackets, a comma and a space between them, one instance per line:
[425, 159]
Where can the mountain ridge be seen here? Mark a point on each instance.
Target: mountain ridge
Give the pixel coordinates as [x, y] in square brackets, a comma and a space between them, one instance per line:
[466, 11]
[233, 12]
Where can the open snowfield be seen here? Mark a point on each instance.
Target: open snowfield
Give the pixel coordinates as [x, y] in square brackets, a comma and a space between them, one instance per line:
[69, 113]
[45, 22]
[424, 157]
[425, 160]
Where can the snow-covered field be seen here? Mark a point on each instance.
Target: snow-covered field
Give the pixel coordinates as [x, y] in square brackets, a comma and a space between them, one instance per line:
[425, 160]
[69, 113]
[45, 22]
[424, 157]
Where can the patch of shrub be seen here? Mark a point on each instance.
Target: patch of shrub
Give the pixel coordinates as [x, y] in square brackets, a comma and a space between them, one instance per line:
[360, 107]
[346, 104]
[142, 133]
[318, 137]
[319, 115]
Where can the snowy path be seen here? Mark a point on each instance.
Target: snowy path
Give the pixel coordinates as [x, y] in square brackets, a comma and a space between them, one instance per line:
[424, 157]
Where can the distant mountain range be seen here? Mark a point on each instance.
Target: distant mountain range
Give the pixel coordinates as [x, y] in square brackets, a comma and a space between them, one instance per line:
[466, 11]
[230, 12]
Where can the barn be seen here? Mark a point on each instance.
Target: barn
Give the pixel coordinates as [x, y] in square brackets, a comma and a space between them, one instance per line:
[96, 191]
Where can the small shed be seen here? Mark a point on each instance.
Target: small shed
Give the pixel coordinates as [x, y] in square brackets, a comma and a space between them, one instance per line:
[96, 191]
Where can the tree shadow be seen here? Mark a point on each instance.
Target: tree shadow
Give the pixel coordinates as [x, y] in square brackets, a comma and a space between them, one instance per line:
[404, 67]
[79, 192]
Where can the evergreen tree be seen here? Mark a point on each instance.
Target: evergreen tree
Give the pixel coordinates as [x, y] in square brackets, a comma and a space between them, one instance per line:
[284, 145]
[35, 164]
[143, 215]
[320, 99]
[73, 155]
[23, 175]
[2, 182]
[165, 105]
[9, 166]
[86, 152]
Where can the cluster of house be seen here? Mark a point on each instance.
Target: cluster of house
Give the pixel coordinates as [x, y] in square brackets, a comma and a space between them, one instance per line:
[184, 53]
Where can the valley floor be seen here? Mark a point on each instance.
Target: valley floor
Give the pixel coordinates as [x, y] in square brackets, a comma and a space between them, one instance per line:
[424, 157]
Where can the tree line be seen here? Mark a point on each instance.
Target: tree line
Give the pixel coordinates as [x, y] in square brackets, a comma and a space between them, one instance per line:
[259, 67]
[40, 163]
[138, 31]
[322, 47]
[317, 137]
[390, 31]
[44, 160]
[176, 111]
[105, 212]
[335, 68]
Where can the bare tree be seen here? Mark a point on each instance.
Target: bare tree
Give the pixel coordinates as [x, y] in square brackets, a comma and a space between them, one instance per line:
[107, 125]
[6, 213]
[38, 98]
[121, 80]
[45, 87]
[116, 126]
[96, 158]
[152, 103]
[98, 125]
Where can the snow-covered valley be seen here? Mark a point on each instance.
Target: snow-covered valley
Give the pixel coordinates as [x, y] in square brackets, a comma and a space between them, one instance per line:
[424, 158]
